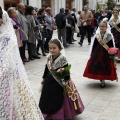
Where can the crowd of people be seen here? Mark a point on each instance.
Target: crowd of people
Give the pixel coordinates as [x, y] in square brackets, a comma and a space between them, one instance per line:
[32, 29]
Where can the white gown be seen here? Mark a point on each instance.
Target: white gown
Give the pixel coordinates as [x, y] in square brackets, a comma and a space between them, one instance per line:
[16, 99]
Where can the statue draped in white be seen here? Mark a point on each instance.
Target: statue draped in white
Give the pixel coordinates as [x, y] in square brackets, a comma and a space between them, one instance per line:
[16, 99]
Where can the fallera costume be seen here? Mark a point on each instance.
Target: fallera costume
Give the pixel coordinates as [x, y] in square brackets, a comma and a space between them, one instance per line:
[54, 103]
[101, 65]
[16, 99]
[115, 29]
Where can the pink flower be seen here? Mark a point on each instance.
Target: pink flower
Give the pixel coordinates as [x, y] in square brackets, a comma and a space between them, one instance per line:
[112, 50]
[60, 69]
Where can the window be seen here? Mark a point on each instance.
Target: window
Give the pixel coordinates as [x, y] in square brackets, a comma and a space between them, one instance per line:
[10, 3]
[68, 4]
[46, 3]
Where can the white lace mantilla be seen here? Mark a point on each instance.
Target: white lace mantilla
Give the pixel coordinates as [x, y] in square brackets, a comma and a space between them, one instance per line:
[16, 99]
[106, 38]
[58, 62]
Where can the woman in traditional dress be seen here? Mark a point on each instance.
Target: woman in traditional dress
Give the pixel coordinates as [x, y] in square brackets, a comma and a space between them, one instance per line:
[115, 29]
[60, 99]
[101, 65]
[16, 99]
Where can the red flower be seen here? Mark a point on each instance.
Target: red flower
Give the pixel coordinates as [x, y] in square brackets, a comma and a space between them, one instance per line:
[112, 50]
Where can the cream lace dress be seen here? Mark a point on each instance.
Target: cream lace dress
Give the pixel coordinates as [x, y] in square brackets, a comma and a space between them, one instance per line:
[16, 99]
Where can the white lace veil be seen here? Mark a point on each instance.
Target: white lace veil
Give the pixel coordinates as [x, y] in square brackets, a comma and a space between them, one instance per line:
[15, 93]
[113, 16]
[98, 31]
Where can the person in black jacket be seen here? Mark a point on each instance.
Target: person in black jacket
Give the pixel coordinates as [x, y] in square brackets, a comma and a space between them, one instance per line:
[1, 12]
[103, 15]
[73, 14]
[40, 20]
[70, 25]
[60, 20]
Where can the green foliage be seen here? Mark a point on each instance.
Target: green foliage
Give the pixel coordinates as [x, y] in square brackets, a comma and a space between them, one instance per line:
[111, 4]
[65, 72]
[98, 6]
[59, 76]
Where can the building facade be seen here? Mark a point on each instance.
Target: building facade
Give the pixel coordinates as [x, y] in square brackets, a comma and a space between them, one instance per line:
[101, 4]
[54, 4]
[92, 4]
[117, 4]
[57, 4]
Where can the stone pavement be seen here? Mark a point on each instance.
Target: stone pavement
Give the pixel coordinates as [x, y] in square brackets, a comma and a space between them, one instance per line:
[100, 103]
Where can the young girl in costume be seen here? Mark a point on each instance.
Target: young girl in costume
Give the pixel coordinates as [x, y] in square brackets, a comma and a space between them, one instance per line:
[115, 29]
[60, 99]
[101, 64]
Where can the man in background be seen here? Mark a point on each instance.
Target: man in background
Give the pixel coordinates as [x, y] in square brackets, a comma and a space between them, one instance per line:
[60, 20]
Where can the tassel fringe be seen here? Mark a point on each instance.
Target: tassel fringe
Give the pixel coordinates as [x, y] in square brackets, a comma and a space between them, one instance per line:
[75, 106]
[79, 105]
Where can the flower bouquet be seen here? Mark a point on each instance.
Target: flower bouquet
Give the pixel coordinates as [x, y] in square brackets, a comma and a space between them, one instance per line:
[60, 74]
[112, 50]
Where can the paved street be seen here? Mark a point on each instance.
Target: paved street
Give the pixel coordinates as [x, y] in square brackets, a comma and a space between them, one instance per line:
[100, 103]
